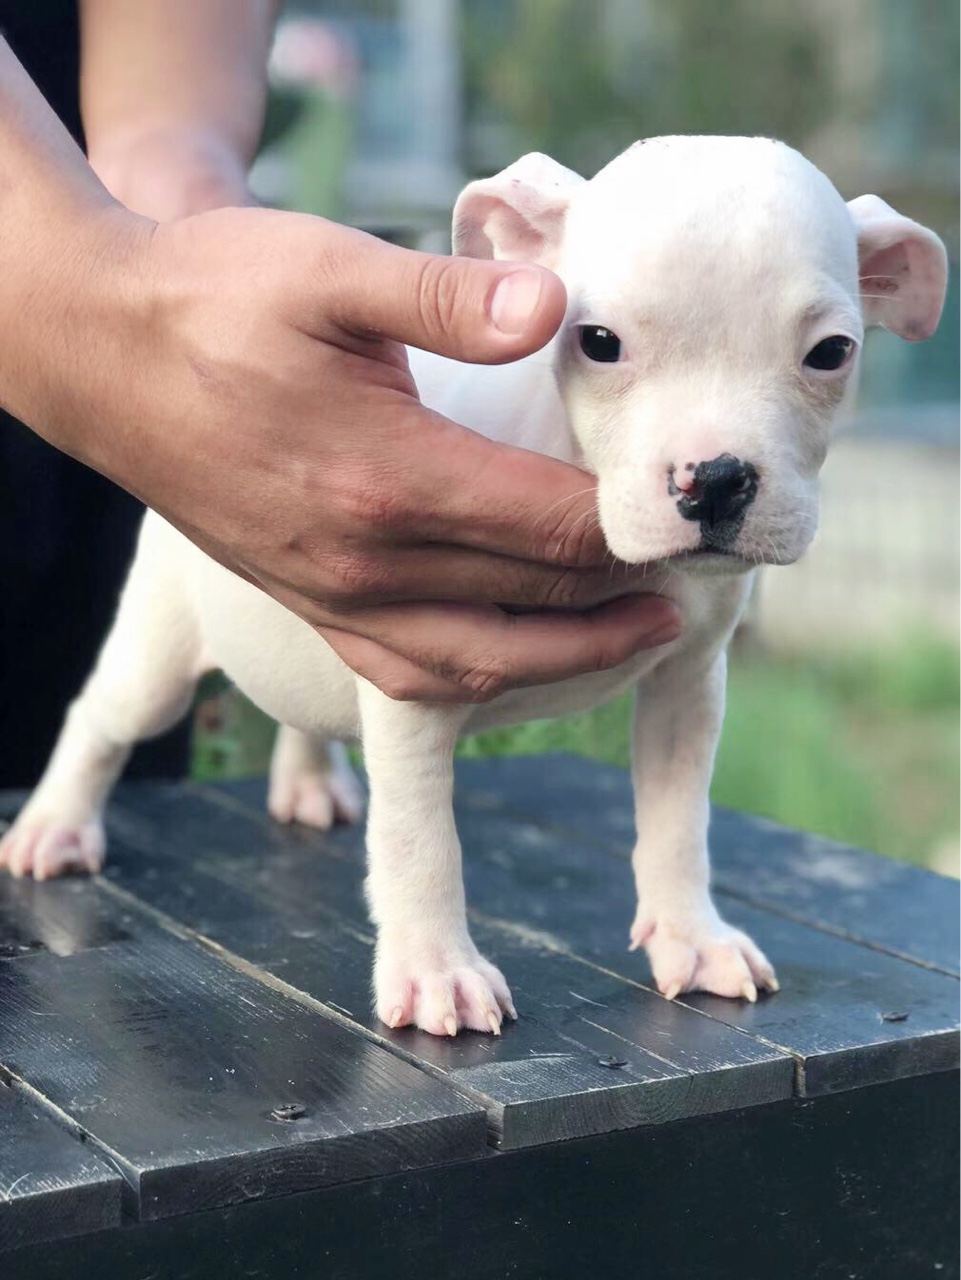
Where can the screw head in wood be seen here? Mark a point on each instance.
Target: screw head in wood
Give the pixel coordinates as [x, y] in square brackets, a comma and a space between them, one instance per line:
[288, 1111]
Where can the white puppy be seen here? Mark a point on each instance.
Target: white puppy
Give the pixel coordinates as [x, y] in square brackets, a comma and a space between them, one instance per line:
[719, 289]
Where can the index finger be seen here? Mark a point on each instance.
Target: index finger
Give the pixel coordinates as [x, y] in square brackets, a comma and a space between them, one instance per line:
[475, 492]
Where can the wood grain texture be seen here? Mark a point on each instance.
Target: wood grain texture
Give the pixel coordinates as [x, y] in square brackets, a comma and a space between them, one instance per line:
[51, 1185]
[897, 908]
[172, 1062]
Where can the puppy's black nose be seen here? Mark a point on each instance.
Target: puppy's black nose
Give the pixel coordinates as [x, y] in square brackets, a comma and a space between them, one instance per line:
[720, 493]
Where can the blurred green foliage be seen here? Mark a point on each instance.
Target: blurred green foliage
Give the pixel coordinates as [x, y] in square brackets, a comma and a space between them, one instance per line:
[581, 81]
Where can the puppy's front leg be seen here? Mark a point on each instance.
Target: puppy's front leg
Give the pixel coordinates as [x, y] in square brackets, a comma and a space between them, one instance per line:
[427, 970]
[677, 723]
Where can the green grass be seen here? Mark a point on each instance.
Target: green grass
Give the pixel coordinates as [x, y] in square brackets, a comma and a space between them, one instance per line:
[864, 750]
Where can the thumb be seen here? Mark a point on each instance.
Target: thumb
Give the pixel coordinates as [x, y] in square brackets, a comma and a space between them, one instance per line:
[481, 312]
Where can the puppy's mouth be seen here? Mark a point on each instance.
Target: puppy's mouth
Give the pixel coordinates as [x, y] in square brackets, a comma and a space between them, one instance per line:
[712, 560]
[726, 553]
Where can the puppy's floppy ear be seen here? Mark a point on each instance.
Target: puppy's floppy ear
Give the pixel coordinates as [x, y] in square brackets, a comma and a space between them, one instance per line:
[903, 269]
[516, 216]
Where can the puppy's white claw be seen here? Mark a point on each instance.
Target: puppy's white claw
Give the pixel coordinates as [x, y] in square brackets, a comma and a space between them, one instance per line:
[396, 1017]
[772, 984]
[673, 991]
[511, 1011]
[706, 955]
[439, 994]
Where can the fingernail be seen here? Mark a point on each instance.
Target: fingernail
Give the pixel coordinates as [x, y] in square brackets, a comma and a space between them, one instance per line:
[515, 301]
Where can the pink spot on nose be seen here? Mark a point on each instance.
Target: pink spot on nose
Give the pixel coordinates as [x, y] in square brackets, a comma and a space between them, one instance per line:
[681, 481]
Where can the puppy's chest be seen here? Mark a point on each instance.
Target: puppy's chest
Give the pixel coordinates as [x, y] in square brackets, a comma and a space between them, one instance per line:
[565, 697]
[709, 611]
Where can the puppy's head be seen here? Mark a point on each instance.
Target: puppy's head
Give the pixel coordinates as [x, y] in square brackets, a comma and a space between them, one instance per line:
[718, 293]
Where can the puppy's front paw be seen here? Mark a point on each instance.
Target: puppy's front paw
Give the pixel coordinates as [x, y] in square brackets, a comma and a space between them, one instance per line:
[46, 844]
[702, 953]
[440, 989]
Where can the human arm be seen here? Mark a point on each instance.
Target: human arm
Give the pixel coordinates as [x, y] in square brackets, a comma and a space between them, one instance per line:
[173, 96]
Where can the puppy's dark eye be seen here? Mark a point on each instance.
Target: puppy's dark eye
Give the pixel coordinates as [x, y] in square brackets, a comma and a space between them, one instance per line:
[600, 344]
[830, 354]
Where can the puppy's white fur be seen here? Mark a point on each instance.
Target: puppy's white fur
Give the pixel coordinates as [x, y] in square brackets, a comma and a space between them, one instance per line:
[719, 263]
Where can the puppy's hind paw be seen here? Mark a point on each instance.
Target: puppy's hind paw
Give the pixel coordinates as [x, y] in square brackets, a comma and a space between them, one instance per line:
[316, 799]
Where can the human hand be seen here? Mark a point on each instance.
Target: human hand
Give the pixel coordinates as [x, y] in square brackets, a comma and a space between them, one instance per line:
[242, 374]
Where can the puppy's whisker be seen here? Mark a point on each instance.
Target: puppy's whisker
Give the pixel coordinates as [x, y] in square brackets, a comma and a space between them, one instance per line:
[586, 515]
[571, 497]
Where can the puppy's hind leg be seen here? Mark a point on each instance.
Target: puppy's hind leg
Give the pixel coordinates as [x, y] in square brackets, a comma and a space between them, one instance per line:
[142, 684]
[311, 781]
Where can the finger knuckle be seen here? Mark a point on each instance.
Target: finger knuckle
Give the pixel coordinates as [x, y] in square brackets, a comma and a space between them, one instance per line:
[564, 591]
[567, 542]
[375, 503]
[358, 576]
[486, 679]
[610, 651]
[438, 294]
[603, 659]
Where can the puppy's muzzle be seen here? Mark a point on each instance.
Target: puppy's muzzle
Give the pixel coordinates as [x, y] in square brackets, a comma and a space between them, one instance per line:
[716, 495]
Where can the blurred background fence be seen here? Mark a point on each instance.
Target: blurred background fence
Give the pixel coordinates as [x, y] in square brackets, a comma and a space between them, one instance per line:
[844, 690]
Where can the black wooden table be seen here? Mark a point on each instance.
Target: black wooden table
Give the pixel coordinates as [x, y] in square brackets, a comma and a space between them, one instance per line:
[195, 1087]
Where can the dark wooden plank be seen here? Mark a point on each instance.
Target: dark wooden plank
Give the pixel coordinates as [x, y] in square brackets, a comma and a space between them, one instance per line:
[575, 897]
[829, 1013]
[51, 1185]
[65, 918]
[853, 1017]
[908, 911]
[902, 909]
[858, 1185]
[173, 1062]
[292, 904]
[834, 994]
